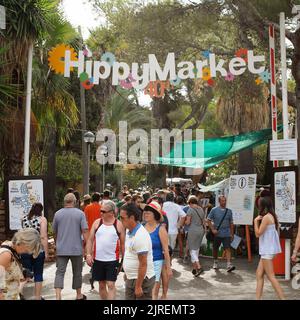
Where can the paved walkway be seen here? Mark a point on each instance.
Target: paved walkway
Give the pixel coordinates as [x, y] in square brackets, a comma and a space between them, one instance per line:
[211, 285]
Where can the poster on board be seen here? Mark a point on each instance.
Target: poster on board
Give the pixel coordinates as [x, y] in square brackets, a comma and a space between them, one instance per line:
[22, 193]
[241, 198]
[285, 195]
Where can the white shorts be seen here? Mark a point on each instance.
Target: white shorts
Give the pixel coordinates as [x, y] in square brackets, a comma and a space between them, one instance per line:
[268, 256]
[172, 240]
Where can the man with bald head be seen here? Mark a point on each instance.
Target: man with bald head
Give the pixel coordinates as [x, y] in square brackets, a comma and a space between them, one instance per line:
[69, 224]
[103, 250]
[220, 222]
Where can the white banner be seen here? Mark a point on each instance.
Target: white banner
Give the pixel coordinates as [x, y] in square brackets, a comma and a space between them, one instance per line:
[241, 198]
[22, 194]
[283, 150]
[285, 196]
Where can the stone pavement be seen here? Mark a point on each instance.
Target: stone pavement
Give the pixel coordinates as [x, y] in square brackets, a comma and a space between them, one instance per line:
[211, 285]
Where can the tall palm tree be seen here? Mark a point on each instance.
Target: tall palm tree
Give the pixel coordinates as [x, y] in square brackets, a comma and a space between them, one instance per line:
[27, 22]
[242, 107]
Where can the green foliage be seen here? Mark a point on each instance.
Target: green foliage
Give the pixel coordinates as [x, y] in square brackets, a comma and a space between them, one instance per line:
[212, 128]
[122, 107]
[69, 168]
[222, 171]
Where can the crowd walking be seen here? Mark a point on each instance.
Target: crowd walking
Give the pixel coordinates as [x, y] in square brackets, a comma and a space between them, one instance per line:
[133, 237]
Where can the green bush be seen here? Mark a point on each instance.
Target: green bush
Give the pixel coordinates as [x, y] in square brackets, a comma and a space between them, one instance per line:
[69, 168]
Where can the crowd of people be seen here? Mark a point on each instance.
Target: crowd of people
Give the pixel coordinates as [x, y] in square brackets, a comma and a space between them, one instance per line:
[133, 236]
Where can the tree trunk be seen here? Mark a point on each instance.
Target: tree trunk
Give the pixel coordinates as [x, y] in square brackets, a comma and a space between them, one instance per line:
[51, 176]
[245, 163]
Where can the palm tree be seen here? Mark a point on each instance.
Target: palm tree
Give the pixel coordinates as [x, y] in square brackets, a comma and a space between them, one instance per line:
[122, 107]
[28, 21]
[242, 107]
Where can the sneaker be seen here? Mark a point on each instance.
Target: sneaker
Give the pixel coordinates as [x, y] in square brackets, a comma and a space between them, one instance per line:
[230, 268]
[194, 272]
[215, 266]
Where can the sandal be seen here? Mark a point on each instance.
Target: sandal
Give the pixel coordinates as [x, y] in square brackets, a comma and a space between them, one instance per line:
[199, 271]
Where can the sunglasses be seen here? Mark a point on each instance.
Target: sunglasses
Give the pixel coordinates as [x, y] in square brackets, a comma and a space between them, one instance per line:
[103, 211]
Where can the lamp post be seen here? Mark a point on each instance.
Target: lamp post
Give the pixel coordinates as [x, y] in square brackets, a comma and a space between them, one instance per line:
[88, 138]
[103, 152]
[122, 159]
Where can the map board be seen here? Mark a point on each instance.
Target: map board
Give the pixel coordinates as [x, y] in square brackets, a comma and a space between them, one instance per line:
[22, 193]
[285, 196]
[241, 198]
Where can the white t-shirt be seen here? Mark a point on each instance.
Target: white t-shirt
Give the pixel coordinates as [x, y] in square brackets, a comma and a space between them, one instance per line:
[137, 242]
[174, 214]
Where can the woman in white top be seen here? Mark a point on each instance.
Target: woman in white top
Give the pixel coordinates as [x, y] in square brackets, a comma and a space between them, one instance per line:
[266, 229]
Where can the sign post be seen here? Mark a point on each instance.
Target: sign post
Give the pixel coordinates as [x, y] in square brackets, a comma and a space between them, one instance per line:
[241, 200]
[285, 118]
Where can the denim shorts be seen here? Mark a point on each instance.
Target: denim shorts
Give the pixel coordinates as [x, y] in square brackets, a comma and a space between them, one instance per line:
[36, 265]
[158, 265]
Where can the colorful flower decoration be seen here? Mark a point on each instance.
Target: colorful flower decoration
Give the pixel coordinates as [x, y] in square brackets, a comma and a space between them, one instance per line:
[211, 82]
[176, 82]
[109, 58]
[242, 53]
[87, 52]
[229, 77]
[265, 76]
[128, 82]
[206, 75]
[206, 54]
[86, 82]
[56, 58]
[258, 81]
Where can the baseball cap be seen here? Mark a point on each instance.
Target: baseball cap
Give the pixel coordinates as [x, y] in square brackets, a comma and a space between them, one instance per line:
[86, 197]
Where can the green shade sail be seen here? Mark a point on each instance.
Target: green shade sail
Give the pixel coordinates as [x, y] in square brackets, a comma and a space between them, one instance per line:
[208, 153]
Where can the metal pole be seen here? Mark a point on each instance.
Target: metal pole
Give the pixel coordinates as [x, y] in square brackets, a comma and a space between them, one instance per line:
[88, 168]
[121, 177]
[273, 86]
[285, 113]
[83, 128]
[28, 111]
[103, 182]
[285, 118]
[146, 176]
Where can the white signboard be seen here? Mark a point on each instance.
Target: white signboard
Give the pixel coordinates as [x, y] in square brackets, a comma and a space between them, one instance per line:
[22, 194]
[283, 150]
[241, 198]
[2, 18]
[285, 196]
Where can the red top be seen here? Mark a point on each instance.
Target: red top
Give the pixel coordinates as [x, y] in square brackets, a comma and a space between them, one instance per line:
[92, 213]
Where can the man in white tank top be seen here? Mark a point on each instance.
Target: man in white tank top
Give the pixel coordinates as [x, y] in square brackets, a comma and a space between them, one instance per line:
[104, 246]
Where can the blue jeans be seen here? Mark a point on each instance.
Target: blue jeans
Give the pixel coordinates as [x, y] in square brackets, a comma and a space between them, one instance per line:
[36, 265]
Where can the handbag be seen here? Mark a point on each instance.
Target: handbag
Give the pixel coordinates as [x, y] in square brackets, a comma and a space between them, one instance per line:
[209, 235]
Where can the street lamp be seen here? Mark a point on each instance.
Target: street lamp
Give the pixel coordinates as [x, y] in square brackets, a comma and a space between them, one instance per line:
[122, 159]
[103, 152]
[88, 138]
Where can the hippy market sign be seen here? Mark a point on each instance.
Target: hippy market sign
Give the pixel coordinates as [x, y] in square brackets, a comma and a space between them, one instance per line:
[150, 76]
